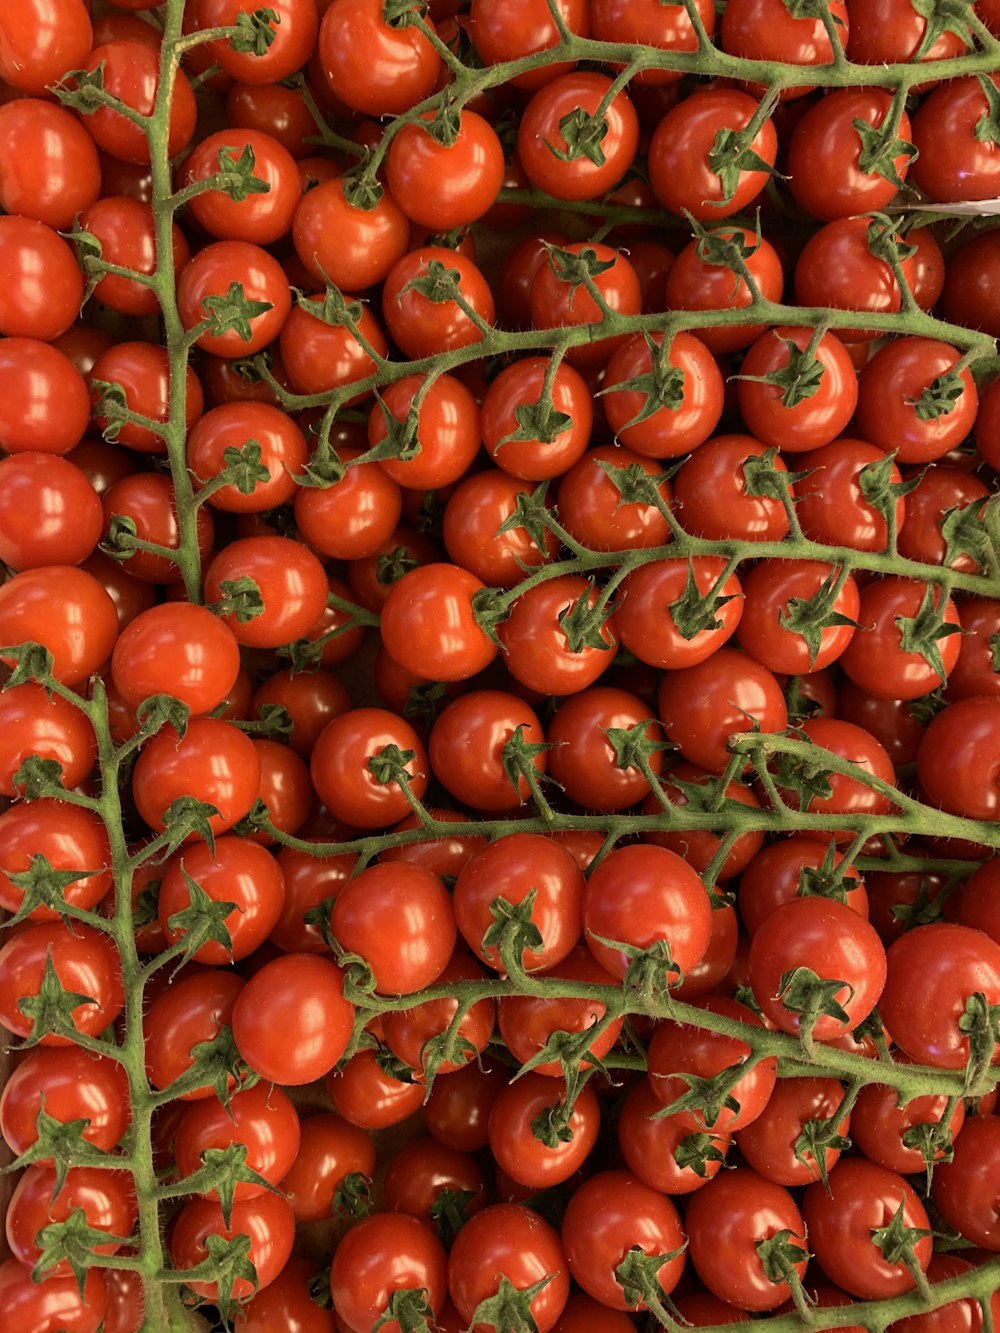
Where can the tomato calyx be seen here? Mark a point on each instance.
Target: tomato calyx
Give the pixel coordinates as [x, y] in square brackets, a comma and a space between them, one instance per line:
[881, 146]
[897, 1243]
[241, 599]
[942, 16]
[449, 1212]
[61, 1145]
[638, 1276]
[633, 747]
[662, 385]
[583, 135]
[510, 1307]
[696, 1150]
[804, 992]
[31, 662]
[253, 33]
[408, 1309]
[513, 932]
[353, 1196]
[83, 90]
[801, 377]
[779, 1255]
[818, 1138]
[51, 1008]
[531, 514]
[634, 484]
[981, 1024]
[583, 623]
[41, 885]
[707, 1098]
[763, 479]
[922, 633]
[225, 1265]
[578, 268]
[825, 880]
[231, 311]
[694, 612]
[810, 616]
[202, 921]
[71, 1243]
[37, 777]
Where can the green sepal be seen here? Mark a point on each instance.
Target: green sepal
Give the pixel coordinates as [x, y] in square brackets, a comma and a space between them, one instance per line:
[879, 151]
[353, 1196]
[510, 1308]
[450, 1212]
[243, 468]
[438, 285]
[61, 1145]
[539, 422]
[233, 312]
[513, 932]
[530, 515]
[71, 1242]
[939, 397]
[575, 269]
[203, 920]
[779, 1254]
[896, 1240]
[42, 885]
[51, 1008]
[241, 598]
[921, 633]
[662, 385]
[518, 758]
[810, 616]
[38, 777]
[226, 1264]
[185, 816]
[942, 16]
[826, 880]
[162, 710]
[638, 1277]
[816, 1138]
[706, 1097]
[802, 991]
[391, 764]
[583, 624]
[632, 747]
[634, 484]
[696, 1150]
[583, 135]
[33, 664]
[217, 1064]
[964, 531]
[254, 32]
[799, 380]
[693, 612]
[730, 156]
[988, 126]
[762, 478]
[222, 1170]
[408, 1311]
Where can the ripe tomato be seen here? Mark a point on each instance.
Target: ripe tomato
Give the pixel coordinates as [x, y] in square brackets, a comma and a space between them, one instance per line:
[793, 867]
[512, 868]
[125, 229]
[558, 637]
[777, 1144]
[56, 1304]
[694, 164]
[796, 413]
[507, 1240]
[663, 402]
[798, 615]
[838, 267]
[287, 1302]
[206, 289]
[726, 1221]
[291, 1022]
[943, 497]
[861, 1199]
[366, 1096]
[859, 174]
[768, 30]
[42, 40]
[908, 639]
[71, 1084]
[176, 649]
[372, 66]
[381, 1255]
[289, 579]
[35, 723]
[953, 162]
[476, 534]
[142, 372]
[423, 603]
[959, 758]
[590, 760]
[559, 299]
[194, 1008]
[267, 1219]
[611, 1215]
[345, 767]
[830, 940]
[418, 305]
[262, 1118]
[330, 1149]
[910, 401]
[527, 437]
[648, 23]
[964, 1188]
[882, 1125]
[699, 280]
[131, 72]
[50, 514]
[44, 404]
[641, 897]
[69, 837]
[86, 962]
[845, 497]
[593, 506]
[528, 1159]
[339, 241]
[662, 1150]
[503, 30]
[263, 215]
[467, 744]
[445, 183]
[106, 1199]
[214, 762]
[572, 142]
[319, 356]
[43, 286]
[722, 491]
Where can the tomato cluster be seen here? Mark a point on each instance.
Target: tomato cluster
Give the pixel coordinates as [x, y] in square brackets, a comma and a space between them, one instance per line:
[499, 631]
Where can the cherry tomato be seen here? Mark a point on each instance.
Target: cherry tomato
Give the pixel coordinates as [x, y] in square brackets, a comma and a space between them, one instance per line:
[346, 767]
[566, 147]
[684, 377]
[507, 1240]
[375, 67]
[267, 1219]
[291, 1022]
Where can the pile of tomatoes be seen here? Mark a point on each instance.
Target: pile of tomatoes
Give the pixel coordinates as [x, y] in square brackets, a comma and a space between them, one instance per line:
[500, 624]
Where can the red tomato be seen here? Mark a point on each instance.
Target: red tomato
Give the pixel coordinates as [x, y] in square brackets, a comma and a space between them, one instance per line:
[211, 281]
[330, 1151]
[260, 215]
[503, 30]
[512, 868]
[798, 615]
[662, 1150]
[507, 1240]
[291, 1022]
[837, 165]
[195, 1008]
[768, 30]
[40, 41]
[777, 1143]
[694, 164]
[429, 623]
[36, 723]
[70, 838]
[701, 279]
[572, 142]
[268, 1221]
[840, 267]
[320, 356]
[559, 636]
[908, 639]
[481, 534]
[560, 299]
[528, 435]
[649, 23]
[959, 758]
[214, 762]
[287, 1302]
[344, 242]
[846, 495]
[442, 184]
[726, 1222]
[372, 66]
[418, 305]
[792, 400]
[106, 1199]
[611, 1215]
[663, 402]
[56, 1304]
[262, 1118]
[642, 897]
[964, 1188]
[833, 942]
[596, 505]
[176, 649]
[50, 514]
[346, 767]
[44, 403]
[861, 1199]
[467, 745]
[366, 1096]
[680, 1050]
[591, 732]
[725, 490]
[43, 286]
[142, 372]
[125, 229]
[294, 28]
[381, 1255]
[541, 1162]
[131, 72]
[287, 593]
[796, 867]
[71, 1084]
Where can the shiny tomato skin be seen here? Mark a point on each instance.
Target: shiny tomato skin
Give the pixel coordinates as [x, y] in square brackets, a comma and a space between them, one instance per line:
[958, 761]
[236, 870]
[527, 1159]
[831, 502]
[375, 68]
[399, 919]
[555, 302]
[592, 508]
[41, 41]
[862, 1197]
[611, 1214]
[702, 706]
[529, 455]
[964, 1188]
[43, 285]
[641, 895]
[44, 403]
[72, 1084]
[503, 30]
[770, 412]
[352, 247]
[55, 1305]
[369, 1098]
[771, 1143]
[341, 767]
[849, 795]
[511, 868]
[876, 659]
[830, 939]
[287, 1303]
[891, 391]
[774, 591]
[33, 722]
[828, 133]
[715, 495]
[67, 611]
[106, 1198]
[466, 748]
[679, 427]
[142, 370]
[264, 216]
[447, 430]
[330, 1149]
[126, 232]
[69, 837]
[881, 1124]
[50, 514]
[481, 504]
[283, 453]
[551, 162]
[131, 72]
[421, 327]
[953, 163]
[292, 585]
[266, 1218]
[177, 649]
[725, 1221]
[511, 1240]
[423, 603]
[584, 762]
[291, 1022]
[649, 1142]
[85, 961]
[781, 871]
[210, 275]
[194, 1008]
[441, 186]
[214, 762]
[953, 961]
[384, 1253]
[680, 154]
[837, 268]
[262, 1118]
[538, 649]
